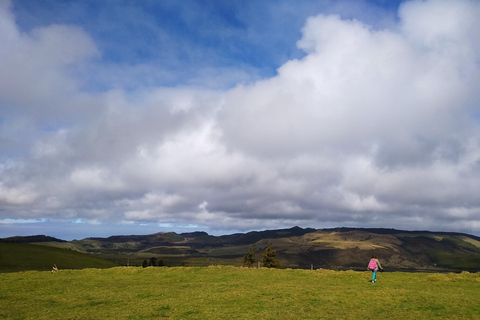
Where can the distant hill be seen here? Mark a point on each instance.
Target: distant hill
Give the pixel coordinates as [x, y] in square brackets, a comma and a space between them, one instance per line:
[23, 257]
[340, 248]
[30, 239]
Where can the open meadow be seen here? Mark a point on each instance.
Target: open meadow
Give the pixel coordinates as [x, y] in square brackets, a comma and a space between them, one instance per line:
[225, 292]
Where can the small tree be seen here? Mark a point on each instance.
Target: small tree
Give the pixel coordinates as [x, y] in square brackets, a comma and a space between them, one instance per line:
[153, 261]
[145, 263]
[249, 258]
[269, 258]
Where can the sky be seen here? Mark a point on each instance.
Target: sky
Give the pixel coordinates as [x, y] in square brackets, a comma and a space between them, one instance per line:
[137, 117]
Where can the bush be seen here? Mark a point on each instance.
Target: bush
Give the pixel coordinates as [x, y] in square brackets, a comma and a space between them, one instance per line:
[249, 258]
[269, 258]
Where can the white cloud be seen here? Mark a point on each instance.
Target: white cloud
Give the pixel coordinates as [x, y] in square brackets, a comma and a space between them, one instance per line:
[95, 179]
[440, 24]
[24, 195]
[357, 87]
[20, 221]
[373, 127]
[36, 66]
[401, 104]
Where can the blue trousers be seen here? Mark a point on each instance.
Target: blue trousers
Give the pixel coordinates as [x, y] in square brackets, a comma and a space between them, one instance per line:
[374, 275]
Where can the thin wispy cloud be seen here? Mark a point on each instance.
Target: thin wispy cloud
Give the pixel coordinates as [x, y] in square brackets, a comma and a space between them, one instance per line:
[225, 117]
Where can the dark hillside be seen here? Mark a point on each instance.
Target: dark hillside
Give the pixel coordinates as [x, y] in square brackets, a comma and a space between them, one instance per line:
[22, 257]
[165, 237]
[194, 234]
[348, 248]
[30, 239]
[240, 239]
[131, 243]
[340, 248]
[255, 236]
[404, 232]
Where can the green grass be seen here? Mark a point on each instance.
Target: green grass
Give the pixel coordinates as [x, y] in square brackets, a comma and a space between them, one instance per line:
[21, 257]
[468, 261]
[224, 292]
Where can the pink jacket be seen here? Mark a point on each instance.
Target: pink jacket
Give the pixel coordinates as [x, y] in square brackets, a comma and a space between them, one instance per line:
[378, 264]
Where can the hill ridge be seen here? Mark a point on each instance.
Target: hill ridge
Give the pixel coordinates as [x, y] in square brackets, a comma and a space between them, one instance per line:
[340, 248]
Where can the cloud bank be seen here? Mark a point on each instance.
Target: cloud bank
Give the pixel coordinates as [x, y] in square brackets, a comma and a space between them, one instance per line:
[372, 127]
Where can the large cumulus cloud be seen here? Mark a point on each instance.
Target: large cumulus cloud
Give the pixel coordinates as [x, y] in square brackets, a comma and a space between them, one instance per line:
[396, 110]
[372, 127]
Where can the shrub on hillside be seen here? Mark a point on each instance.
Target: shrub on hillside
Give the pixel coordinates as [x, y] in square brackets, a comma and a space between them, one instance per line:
[269, 258]
[249, 259]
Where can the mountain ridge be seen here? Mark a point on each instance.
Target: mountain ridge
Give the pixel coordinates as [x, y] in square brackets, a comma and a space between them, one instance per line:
[333, 248]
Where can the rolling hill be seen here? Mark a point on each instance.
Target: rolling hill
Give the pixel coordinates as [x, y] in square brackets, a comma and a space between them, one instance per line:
[339, 248]
[23, 256]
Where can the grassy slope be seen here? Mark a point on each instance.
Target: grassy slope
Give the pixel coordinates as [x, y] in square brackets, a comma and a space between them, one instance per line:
[20, 257]
[237, 293]
[348, 250]
[341, 248]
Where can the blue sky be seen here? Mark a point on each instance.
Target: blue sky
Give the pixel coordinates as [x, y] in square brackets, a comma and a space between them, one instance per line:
[186, 39]
[133, 117]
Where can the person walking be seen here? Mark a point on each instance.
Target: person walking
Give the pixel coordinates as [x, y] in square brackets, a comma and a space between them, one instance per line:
[374, 265]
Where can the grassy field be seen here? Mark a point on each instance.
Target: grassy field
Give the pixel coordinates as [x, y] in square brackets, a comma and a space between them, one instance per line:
[22, 257]
[224, 292]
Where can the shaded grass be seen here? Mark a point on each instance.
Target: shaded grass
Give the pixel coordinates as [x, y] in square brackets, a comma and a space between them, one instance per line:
[469, 261]
[21, 257]
[171, 260]
[236, 293]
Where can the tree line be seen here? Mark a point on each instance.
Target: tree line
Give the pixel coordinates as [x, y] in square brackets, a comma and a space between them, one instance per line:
[269, 257]
[153, 262]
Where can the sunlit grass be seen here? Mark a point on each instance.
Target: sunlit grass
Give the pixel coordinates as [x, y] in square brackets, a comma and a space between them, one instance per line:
[236, 293]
